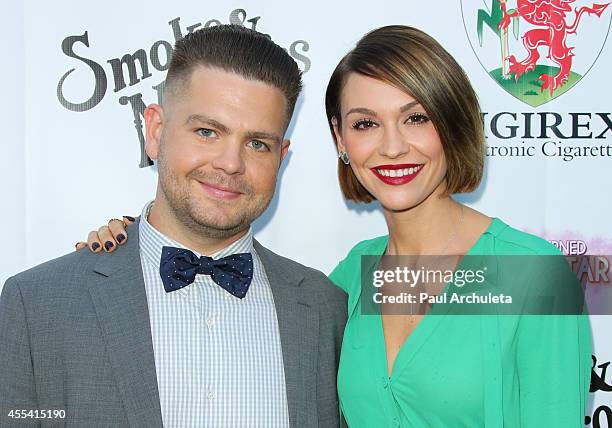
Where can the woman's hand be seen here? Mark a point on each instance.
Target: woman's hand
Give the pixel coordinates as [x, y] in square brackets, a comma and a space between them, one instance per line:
[108, 237]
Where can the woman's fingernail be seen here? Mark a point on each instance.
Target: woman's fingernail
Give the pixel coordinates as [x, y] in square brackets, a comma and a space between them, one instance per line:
[120, 238]
[108, 245]
[130, 218]
[95, 246]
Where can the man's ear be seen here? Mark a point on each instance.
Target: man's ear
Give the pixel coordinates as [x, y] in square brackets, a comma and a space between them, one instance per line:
[284, 150]
[337, 135]
[154, 121]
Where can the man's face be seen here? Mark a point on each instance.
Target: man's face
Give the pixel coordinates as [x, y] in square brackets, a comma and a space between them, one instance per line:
[218, 144]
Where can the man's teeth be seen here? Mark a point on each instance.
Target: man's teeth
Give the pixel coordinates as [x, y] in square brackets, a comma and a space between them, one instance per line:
[398, 172]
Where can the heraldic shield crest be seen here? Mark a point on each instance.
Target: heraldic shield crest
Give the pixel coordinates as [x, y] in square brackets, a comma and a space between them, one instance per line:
[537, 50]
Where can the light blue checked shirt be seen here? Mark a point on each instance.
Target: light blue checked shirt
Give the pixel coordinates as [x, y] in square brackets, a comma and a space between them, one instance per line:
[218, 358]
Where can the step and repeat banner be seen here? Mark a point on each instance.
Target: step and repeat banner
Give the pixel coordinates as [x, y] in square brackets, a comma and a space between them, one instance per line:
[77, 76]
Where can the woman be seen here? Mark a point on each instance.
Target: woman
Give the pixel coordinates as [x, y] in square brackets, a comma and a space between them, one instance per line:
[407, 126]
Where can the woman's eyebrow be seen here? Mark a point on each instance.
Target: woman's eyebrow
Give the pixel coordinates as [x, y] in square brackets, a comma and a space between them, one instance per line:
[361, 110]
[408, 106]
[369, 112]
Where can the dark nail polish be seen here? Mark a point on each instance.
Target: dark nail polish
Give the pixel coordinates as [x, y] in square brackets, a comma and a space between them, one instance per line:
[120, 238]
[95, 246]
[130, 218]
[108, 245]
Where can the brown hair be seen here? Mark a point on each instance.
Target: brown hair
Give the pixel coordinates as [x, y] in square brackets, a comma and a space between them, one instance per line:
[239, 50]
[415, 63]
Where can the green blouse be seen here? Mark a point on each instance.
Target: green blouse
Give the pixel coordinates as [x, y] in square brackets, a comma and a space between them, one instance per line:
[464, 370]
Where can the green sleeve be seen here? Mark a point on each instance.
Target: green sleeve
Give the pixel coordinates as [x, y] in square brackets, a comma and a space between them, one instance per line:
[554, 364]
[554, 351]
[338, 276]
[346, 274]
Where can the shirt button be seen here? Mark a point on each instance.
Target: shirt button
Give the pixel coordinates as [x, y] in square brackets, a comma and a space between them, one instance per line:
[210, 321]
[385, 382]
[210, 395]
[396, 422]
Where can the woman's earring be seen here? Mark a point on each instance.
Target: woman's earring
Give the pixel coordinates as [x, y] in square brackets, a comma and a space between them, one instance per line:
[343, 156]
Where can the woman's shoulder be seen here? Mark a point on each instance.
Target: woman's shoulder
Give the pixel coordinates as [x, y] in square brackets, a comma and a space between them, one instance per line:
[372, 247]
[508, 240]
[346, 272]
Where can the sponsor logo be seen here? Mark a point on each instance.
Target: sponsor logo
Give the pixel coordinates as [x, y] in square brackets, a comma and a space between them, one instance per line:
[536, 50]
[600, 381]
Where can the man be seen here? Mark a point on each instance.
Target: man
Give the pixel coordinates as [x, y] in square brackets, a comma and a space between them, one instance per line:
[193, 323]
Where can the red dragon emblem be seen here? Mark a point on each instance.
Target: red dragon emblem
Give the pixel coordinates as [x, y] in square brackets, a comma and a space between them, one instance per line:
[550, 14]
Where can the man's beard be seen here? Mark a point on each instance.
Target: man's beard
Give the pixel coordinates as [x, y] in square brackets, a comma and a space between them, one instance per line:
[185, 208]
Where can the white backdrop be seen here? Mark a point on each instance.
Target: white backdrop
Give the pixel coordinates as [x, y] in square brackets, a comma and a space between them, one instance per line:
[66, 172]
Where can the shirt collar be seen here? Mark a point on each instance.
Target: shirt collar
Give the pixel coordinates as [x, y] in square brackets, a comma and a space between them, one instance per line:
[152, 241]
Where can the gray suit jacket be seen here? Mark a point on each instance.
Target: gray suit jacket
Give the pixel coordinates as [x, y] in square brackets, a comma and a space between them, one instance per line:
[75, 335]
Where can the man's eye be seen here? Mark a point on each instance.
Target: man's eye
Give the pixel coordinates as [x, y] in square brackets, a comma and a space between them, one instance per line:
[259, 145]
[417, 119]
[206, 133]
[363, 124]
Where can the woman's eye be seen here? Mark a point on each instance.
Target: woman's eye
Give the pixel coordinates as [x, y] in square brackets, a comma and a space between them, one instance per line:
[363, 124]
[259, 145]
[206, 133]
[417, 119]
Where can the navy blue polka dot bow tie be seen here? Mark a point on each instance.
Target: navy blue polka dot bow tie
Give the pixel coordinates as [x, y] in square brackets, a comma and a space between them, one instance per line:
[178, 268]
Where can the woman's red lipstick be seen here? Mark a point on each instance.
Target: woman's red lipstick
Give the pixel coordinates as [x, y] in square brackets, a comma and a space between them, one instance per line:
[396, 175]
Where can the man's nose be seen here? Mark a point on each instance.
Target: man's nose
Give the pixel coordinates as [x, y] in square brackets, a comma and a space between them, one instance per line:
[230, 158]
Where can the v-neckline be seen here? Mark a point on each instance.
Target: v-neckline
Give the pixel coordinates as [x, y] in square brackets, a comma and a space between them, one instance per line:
[425, 327]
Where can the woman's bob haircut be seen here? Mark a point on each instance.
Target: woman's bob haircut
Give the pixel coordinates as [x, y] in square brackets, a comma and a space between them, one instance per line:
[415, 63]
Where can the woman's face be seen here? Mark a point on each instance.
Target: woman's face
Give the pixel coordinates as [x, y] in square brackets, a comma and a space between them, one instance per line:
[393, 147]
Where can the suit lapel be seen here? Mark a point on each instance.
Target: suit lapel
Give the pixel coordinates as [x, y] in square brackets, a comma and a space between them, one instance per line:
[120, 300]
[298, 325]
